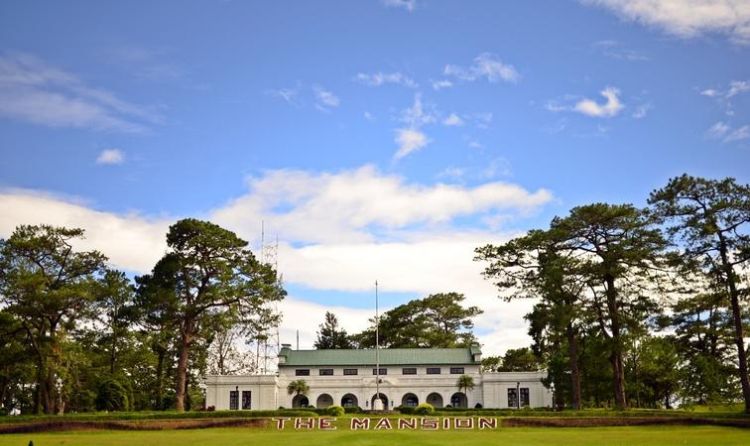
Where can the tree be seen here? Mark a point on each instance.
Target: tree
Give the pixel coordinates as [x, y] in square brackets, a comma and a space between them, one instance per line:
[330, 337]
[436, 321]
[703, 336]
[465, 383]
[710, 219]
[491, 363]
[49, 288]
[298, 387]
[535, 266]
[519, 360]
[207, 273]
[618, 246]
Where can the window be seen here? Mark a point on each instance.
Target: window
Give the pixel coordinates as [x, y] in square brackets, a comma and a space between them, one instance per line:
[234, 397]
[512, 398]
[382, 372]
[326, 372]
[247, 399]
[302, 372]
[409, 371]
[457, 370]
[433, 370]
[524, 397]
[350, 372]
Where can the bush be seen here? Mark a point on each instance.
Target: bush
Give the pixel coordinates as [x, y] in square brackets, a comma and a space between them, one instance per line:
[355, 409]
[406, 410]
[335, 411]
[424, 409]
[112, 396]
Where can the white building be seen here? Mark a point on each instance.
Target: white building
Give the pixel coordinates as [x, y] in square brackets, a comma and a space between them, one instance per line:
[408, 376]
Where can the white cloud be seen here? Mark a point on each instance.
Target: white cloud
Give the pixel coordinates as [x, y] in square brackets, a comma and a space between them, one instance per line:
[288, 95]
[339, 231]
[453, 120]
[441, 84]
[726, 133]
[408, 141]
[418, 114]
[33, 91]
[485, 65]
[710, 92]
[718, 130]
[641, 111]
[325, 100]
[131, 241]
[615, 50]
[737, 87]
[379, 78]
[611, 108]
[110, 156]
[369, 116]
[409, 5]
[349, 206]
[739, 134]
[686, 18]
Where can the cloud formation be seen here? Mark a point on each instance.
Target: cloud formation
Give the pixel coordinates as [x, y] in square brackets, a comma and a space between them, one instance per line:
[110, 156]
[487, 66]
[324, 99]
[611, 108]
[409, 5]
[36, 92]
[378, 79]
[686, 18]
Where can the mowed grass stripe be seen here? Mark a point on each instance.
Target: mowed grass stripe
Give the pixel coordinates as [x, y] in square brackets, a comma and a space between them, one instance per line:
[620, 436]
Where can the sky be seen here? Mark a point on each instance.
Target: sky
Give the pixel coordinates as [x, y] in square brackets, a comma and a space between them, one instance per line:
[375, 139]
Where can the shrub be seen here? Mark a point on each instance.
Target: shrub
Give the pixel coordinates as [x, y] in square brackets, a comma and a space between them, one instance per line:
[406, 410]
[111, 396]
[424, 409]
[355, 409]
[335, 411]
[210, 408]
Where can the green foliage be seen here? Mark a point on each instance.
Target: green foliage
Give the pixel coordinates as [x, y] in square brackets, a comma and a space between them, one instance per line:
[519, 360]
[207, 279]
[424, 409]
[330, 336]
[335, 411]
[298, 387]
[48, 288]
[710, 222]
[112, 396]
[406, 410]
[465, 383]
[438, 320]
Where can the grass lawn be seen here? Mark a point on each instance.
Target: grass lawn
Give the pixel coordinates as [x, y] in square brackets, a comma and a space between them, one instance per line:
[652, 435]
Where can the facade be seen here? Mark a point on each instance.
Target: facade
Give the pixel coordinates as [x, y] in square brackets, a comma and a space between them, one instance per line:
[408, 377]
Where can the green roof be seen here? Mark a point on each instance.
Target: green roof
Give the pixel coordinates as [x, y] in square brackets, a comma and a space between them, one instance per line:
[388, 356]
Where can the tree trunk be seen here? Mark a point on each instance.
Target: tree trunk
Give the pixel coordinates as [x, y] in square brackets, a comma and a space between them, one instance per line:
[575, 372]
[739, 337]
[182, 364]
[615, 359]
[161, 354]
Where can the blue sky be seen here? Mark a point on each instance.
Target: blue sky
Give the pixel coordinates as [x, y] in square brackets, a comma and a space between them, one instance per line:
[377, 139]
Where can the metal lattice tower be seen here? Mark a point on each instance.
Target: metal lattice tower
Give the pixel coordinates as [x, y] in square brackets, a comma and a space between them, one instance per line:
[271, 345]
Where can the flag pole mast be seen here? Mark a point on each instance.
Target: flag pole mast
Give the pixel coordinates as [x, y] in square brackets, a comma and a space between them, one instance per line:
[377, 403]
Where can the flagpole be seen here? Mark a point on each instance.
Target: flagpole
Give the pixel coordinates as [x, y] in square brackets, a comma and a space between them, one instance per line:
[377, 404]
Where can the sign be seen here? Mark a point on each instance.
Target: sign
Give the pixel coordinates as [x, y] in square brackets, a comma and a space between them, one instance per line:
[385, 423]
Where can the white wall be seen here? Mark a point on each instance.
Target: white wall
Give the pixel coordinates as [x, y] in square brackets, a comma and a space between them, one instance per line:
[495, 388]
[264, 390]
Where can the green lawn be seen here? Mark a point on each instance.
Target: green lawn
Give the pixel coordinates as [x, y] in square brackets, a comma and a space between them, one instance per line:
[661, 436]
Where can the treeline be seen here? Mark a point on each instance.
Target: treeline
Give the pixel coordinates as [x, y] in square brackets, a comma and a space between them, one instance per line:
[77, 335]
[436, 321]
[638, 307]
